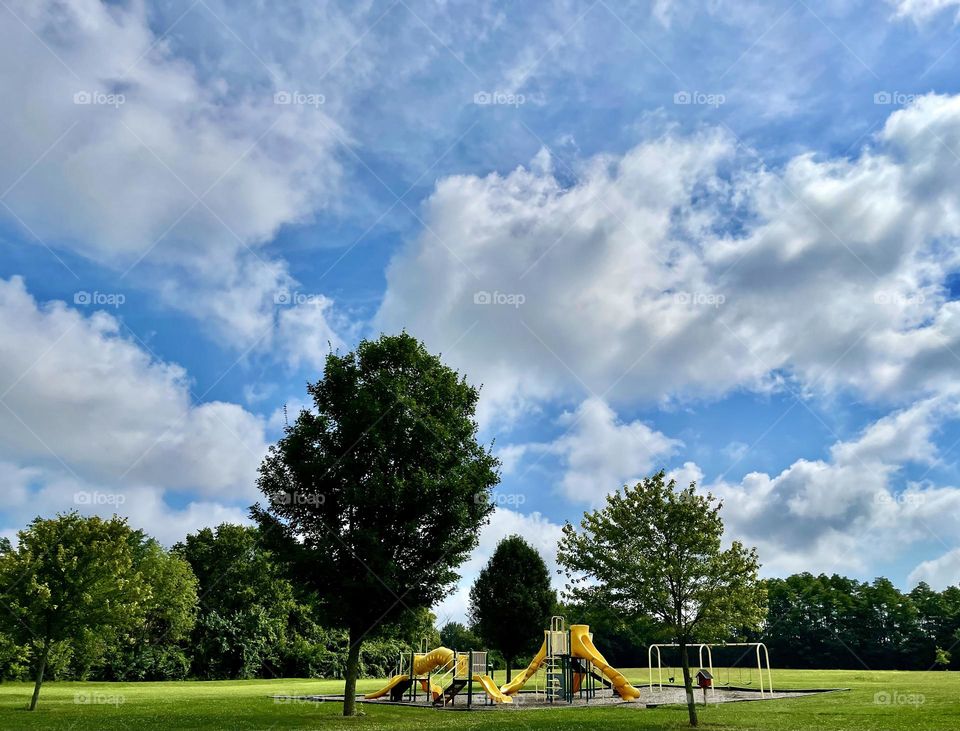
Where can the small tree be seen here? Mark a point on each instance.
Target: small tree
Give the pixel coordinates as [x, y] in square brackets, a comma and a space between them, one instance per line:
[942, 660]
[457, 637]
[656, 551]
[511, 600]
[70, 578]
[379, 494]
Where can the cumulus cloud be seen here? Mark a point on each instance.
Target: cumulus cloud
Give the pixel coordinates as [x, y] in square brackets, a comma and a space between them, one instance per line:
[77, 394]
[49, 491]
[939, 573]
[172, 178]
[818, 515]
[684, 269]
[598, 452]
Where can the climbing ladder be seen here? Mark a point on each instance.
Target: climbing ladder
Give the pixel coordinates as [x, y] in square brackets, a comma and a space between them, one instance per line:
[558, 647]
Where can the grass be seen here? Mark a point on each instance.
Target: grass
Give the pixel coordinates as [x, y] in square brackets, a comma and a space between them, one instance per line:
[919, 702]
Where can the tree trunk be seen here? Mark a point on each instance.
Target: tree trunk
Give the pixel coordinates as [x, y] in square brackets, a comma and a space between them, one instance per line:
[509, 661]
[688, 683]
[41, 666]
[353, 669]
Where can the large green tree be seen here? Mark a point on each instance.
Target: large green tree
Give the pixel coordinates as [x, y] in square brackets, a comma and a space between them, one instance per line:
[377, 494]
[512, 600]
[70, 579]
[657, 551]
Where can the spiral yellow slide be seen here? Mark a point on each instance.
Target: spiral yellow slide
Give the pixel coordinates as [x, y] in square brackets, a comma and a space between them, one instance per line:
[441, 657]
[580, 646]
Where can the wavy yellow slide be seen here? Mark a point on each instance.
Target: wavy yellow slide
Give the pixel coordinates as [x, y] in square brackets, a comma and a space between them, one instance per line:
[492, 690]
[582, 646]
[518, 682]
[438, 658]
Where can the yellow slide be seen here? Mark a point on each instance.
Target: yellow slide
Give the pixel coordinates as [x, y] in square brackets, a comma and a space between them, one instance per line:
[422, 664]
[440, 658]
[582, 646]
[518, 682]
[492, 690]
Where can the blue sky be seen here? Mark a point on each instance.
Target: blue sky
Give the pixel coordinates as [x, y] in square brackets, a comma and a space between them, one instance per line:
[714, 237]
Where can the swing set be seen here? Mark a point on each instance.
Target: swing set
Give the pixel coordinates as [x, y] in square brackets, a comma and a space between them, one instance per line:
[705, 651]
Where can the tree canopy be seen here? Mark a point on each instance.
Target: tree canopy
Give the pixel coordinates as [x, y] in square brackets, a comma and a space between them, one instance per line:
[376, 495]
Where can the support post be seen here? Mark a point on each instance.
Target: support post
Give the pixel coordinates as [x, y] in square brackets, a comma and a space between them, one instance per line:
[413, 676]
[470, 679]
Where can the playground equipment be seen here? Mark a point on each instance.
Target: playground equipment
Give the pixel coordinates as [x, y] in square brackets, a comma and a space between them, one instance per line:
[570, 661]
[442, 674]
[705, 648]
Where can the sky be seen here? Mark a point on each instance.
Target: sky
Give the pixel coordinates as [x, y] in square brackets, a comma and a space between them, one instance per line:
[715, 237]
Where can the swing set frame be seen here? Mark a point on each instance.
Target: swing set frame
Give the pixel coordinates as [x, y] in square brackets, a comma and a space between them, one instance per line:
[701, 647]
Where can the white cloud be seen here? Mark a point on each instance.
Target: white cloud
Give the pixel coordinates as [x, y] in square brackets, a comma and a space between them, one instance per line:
[598, 453]
[537, 530]
[821, 515]
[54, 491]
[154, 168]
[921, 10]
[939, 573]
[78, 395]
[635, 285]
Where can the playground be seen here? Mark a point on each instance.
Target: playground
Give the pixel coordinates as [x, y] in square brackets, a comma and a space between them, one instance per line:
[568, 671]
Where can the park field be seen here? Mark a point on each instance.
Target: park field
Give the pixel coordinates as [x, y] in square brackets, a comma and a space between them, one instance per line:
[881, 701]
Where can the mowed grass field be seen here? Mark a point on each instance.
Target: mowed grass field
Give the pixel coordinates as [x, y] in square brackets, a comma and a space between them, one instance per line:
[884, 701]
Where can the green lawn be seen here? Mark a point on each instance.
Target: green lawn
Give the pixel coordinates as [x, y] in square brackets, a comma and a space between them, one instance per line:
[918, 701]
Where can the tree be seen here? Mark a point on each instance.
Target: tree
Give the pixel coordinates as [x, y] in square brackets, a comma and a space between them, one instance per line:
[657, 551]
[378, 494]
[458, 637]
[245, 602]
[70, 579]
[170, 614]
[511, 600]
[941, 658]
